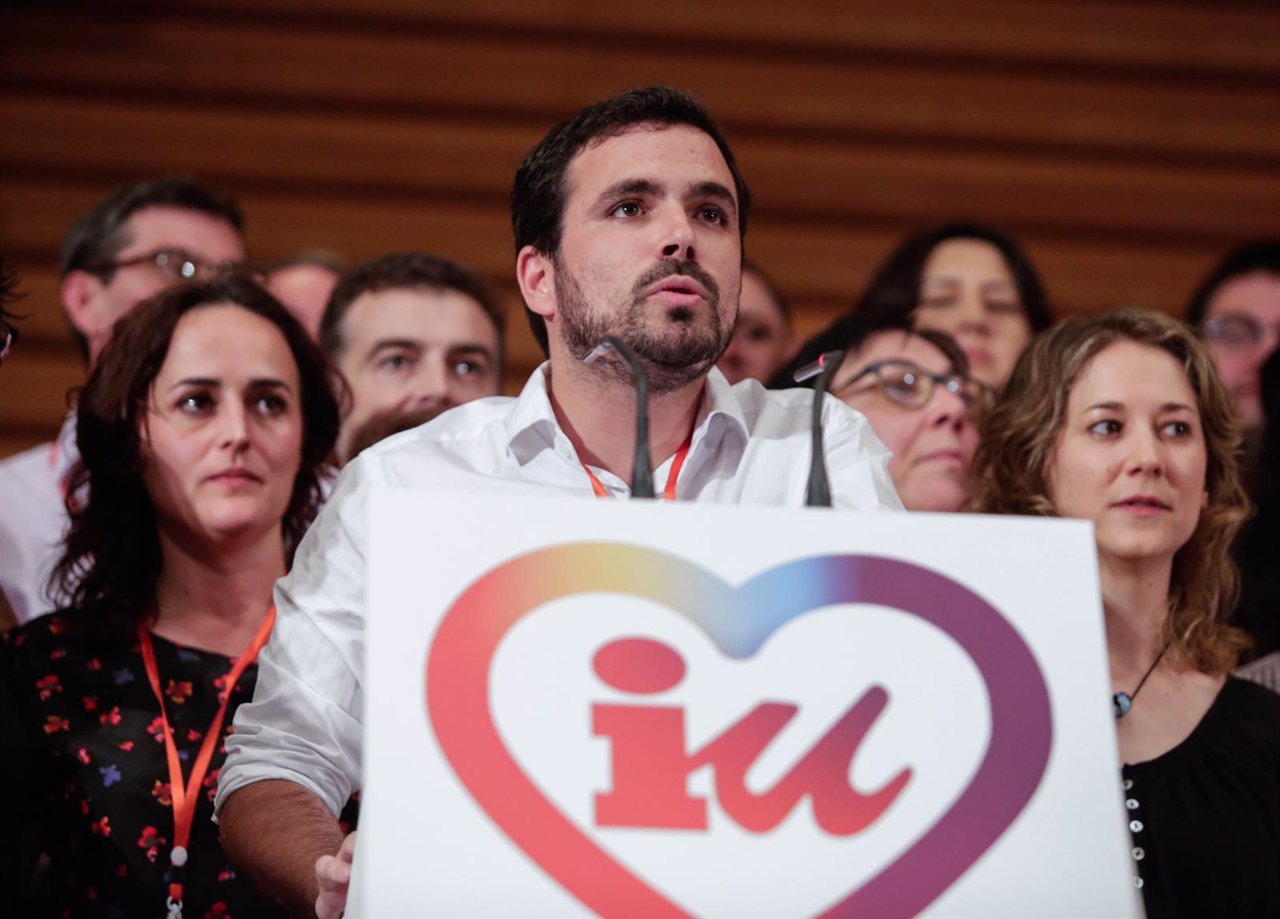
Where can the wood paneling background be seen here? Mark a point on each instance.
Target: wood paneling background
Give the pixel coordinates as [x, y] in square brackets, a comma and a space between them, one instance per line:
[1128, 142]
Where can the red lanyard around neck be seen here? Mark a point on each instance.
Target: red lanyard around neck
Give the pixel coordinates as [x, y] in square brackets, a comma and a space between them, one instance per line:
[185, 797]
[668, 493]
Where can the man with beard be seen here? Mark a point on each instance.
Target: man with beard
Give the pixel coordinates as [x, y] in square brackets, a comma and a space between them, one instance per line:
[628, 221]
[413, 335]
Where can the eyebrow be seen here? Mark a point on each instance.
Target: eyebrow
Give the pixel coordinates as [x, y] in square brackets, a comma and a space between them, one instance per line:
[1117, 406]
[257, 382]
[707, 189]
[632, 187]
[383, 344]
[710, 189]
[466, 348]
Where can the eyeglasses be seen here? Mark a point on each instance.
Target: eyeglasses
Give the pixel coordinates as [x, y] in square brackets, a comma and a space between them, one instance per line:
[1236, 330]
[909, 384]
[174, 264]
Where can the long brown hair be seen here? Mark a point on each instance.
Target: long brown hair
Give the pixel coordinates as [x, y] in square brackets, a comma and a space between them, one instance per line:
[1021, 432]
[112, 558]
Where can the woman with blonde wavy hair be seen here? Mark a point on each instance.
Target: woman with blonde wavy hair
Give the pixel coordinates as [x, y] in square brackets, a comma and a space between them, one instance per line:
[1120, 419]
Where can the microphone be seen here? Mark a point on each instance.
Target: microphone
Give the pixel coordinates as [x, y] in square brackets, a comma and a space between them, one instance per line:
[641, 468]
[818, 492]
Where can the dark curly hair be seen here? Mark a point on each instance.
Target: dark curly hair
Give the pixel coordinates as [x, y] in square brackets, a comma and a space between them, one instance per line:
[112, 556]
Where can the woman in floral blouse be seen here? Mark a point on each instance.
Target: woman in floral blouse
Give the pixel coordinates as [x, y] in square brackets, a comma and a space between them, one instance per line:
[204, 431]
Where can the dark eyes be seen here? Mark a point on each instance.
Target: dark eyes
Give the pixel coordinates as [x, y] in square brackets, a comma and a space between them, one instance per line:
[628, 209]
[199, 404]
[1109, 427]
[708, 213]
[196, 403]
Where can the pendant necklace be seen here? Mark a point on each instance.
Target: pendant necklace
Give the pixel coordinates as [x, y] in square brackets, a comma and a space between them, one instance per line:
[1122, 701]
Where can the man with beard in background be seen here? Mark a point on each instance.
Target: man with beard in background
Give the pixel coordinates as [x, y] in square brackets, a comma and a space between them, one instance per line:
[629, 220]
[413, 336]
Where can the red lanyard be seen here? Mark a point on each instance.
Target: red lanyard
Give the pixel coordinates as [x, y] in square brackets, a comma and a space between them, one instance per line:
[668, 493]
[185, 797]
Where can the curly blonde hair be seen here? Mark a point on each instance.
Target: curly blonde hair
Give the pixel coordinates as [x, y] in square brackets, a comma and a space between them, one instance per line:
[1021, 432]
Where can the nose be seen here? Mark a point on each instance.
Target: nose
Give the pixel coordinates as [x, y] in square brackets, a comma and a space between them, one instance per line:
[676, 233]
[1146, 454]
[432, 383]
[972, 312]
[235, 425]
[947, 409]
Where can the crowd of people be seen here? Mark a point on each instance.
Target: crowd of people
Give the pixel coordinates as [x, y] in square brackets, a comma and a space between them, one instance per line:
[184, 567]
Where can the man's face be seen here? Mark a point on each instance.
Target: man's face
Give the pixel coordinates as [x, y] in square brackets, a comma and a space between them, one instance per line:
[414, 351]
[94, 305]
[304, 290]
[650, 252]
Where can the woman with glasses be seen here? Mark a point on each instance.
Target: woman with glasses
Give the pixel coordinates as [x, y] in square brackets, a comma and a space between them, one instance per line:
[1120, 420]
[1238, 309]
[971, 281]
[204, 430]
[914, 388]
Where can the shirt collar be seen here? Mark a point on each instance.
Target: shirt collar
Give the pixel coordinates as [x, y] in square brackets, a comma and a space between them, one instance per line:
[532, 427]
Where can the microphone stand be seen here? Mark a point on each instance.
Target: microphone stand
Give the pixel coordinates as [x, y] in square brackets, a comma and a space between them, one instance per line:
[641, 467]
[818, 492]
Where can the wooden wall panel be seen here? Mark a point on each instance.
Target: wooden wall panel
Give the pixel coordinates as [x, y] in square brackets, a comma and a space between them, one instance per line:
[1128, 143]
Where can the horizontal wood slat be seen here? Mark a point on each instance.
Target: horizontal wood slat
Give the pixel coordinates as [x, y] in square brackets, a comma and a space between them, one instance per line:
[1190, 38]
[154, 59]
[451, 159]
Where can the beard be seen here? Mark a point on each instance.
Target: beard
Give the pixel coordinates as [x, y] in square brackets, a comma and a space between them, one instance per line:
[676, 344]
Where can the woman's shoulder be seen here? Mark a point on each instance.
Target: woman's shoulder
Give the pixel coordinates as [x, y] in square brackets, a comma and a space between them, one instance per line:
[66, 637]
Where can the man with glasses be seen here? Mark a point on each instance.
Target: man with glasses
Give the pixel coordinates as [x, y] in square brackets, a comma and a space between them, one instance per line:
[130, 245]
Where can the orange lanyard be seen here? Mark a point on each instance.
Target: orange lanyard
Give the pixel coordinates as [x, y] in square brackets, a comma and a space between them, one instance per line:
[668, 493]
[185, 797]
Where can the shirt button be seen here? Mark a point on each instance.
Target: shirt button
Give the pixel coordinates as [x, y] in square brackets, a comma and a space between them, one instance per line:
[1132, 804]
[1128, 783]
[1137, 882]
[1138, 854]
[1135, 826]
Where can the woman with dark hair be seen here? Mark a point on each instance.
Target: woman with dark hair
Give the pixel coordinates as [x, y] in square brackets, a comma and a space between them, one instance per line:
[973, 282]
[914, 388]
[1237, 307]
[1121, 420]
[204, 431]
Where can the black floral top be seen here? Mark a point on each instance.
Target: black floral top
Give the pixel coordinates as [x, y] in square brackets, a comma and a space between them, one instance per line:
[99, 801]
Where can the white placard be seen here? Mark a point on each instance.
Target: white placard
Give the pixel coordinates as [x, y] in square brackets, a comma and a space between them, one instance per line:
[583, 707]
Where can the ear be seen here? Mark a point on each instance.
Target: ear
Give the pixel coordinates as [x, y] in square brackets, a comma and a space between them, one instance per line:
[81, 293]
[535, 273]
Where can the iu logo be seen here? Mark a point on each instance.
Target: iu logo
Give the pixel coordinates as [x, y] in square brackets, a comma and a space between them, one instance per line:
[651, 765]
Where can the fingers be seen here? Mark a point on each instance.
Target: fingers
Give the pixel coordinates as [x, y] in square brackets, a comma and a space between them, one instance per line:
[333, 875]
[348, 850]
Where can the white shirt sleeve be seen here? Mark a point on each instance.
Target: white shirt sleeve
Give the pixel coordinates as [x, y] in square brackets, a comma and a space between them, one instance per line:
[305, 721]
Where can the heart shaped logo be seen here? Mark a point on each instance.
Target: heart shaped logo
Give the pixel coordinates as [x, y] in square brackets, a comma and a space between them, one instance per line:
[737, 621]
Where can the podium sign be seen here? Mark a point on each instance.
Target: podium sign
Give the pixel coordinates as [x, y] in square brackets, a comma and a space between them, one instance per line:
[638, 709]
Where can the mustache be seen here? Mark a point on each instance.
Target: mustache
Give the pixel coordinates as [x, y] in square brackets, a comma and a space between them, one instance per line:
[666, 269]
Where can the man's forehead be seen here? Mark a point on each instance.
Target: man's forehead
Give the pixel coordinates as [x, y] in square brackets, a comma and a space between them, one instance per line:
[652, 152]
[437, 312]
[165, 226]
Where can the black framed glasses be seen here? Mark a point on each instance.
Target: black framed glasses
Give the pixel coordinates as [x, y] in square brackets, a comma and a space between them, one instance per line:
[910, 385]
[1236, 330]
[174, 264]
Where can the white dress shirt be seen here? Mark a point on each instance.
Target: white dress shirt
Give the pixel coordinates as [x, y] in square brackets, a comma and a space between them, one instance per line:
[33, 521]
[750, 446]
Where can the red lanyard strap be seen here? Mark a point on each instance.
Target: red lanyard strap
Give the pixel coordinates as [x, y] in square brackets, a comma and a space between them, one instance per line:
[668, 493]
[185, 797]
